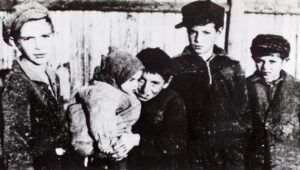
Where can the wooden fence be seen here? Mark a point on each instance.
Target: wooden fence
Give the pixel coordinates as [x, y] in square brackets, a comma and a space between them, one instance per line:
[83, 36]
[85, 30]
[252, 17]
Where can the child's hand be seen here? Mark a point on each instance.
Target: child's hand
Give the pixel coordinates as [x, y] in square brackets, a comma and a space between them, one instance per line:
[126, 142]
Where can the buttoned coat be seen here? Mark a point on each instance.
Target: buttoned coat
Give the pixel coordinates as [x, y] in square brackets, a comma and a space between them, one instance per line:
[34, 120]
[274, 143]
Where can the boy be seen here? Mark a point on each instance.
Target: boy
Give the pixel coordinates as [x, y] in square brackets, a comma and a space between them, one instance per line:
[275, 106]
[162, 124]
[214, 90]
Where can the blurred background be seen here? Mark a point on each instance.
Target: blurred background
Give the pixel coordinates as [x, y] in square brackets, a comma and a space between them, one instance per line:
[86, 28]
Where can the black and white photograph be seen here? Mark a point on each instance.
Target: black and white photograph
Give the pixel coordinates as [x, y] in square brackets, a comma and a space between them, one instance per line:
[150, 85]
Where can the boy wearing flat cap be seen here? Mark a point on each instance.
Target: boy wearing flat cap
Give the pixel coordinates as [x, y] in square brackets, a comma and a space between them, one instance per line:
[274, 98]
[162, 123]
[214, 90]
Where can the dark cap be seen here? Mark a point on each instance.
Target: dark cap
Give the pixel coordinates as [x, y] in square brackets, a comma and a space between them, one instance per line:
[156, 60]
[21, 14]
[265, 44]
[201, 13]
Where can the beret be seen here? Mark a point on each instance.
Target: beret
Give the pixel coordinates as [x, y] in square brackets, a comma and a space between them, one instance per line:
[21, 14]
[201, 12]
[264, 44]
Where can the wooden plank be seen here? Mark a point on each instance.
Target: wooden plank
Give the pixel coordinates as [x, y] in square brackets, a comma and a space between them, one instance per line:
[112, 5]
[83, 36]
[275, 7]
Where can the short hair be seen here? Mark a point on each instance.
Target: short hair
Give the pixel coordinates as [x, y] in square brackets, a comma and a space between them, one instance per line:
[156, 60]
[16, 33]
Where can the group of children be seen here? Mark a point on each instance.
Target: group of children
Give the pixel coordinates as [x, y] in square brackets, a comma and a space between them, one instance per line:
[150, 111]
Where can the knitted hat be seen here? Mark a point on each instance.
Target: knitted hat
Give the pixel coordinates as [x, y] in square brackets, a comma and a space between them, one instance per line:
[264, 44]
[21, 14]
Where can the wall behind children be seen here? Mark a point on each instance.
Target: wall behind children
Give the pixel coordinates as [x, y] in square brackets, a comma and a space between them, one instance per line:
[86, 28]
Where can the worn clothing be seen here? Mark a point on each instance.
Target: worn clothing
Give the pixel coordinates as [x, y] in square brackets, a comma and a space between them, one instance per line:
[34, 120]
[95, 125]
[162, 127]
[274, 143]
[117, 67]
[100, 109]
[214, 92]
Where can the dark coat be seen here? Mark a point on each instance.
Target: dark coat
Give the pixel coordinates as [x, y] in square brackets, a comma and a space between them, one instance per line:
[275, 140]
[34, 120]
[215, 98]
[162, 127]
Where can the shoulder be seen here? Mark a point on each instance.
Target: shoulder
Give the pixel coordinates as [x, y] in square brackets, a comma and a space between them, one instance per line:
[292, 82]
[229, 67]
[172, 98]
[16, 81]
[181, 60]
[99, 91]
[227, 61]
[223, 58]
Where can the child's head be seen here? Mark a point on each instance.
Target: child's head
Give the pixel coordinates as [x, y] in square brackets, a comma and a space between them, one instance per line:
[121, 70]
[157, 73]
[204, 21]
[30, 27]
[269, 53]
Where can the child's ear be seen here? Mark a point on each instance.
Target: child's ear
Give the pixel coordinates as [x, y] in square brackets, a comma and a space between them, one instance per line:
[286, 59]
[219, 30]
[12, 42]
[166, 85]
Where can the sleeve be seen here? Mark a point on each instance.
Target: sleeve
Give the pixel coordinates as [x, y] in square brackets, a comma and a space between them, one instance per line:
[241, 124]
[100, 104]
[239, 103]
[173, 137]
[80, 138]
[17, 127]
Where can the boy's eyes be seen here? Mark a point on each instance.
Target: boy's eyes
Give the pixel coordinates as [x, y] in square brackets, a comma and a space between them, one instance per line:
[26, 38]
[191, 31]
[31, 38]
[46, 36]
[155, 83]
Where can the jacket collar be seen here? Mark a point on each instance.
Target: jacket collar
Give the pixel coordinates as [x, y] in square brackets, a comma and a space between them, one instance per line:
[217, 52]
[22, 67]
[257, 78]
[33, 75]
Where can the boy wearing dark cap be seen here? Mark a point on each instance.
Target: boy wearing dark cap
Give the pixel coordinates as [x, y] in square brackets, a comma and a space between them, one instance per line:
[275, 106]
[214, 90]
[162, 124]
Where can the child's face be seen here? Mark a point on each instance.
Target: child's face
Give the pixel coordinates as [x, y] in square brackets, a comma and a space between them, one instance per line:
[269, 66]
[203, 37]
[130, 86]
[36, 41]
[150, 85]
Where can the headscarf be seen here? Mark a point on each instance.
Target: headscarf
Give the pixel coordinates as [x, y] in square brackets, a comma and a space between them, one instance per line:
[118, 67]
